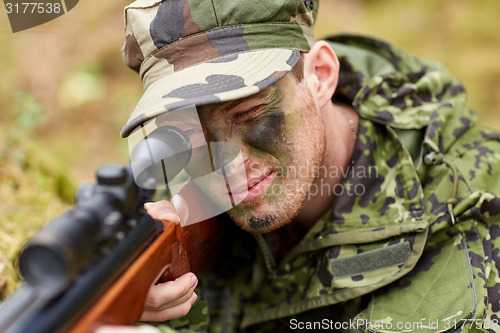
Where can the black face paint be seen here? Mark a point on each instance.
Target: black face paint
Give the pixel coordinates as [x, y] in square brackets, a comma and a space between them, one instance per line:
[260, 223]
[267, 131]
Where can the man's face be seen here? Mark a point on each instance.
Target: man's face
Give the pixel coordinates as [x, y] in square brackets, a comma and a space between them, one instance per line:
[281, 136]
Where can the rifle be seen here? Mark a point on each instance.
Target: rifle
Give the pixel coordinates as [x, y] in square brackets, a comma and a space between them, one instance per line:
[95, 264]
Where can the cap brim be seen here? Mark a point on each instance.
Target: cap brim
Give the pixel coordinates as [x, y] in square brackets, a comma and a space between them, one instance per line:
[223, 79]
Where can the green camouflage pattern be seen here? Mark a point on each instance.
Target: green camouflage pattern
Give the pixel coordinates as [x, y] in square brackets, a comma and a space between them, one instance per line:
[192, 52]
[433, 252]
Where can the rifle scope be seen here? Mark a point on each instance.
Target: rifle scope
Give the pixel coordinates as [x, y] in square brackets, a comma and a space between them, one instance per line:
[57, 253]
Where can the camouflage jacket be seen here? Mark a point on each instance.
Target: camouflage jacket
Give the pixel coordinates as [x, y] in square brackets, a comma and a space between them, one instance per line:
[412, 244]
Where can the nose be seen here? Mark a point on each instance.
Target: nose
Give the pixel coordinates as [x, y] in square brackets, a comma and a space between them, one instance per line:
[228, 156]
[245, 151]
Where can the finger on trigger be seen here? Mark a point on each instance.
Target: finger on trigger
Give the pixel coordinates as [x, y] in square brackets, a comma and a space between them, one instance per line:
[172, 293]
[173, 312]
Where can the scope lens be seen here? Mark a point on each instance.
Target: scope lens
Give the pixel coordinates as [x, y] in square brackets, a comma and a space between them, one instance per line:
[44, 266]
[56, 254]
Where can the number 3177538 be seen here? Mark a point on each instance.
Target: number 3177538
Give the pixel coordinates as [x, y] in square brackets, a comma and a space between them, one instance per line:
[33, 8]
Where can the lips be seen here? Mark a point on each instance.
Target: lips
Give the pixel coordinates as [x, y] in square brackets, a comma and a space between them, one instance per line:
[255, 181]
[254, 188]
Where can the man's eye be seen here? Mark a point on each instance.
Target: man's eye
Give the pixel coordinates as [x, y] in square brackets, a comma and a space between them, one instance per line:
[245, 115]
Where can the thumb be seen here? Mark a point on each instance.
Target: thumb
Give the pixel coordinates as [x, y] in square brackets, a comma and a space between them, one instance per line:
[181, 207]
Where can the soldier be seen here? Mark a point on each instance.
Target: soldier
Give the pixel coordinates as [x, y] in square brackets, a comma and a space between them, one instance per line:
[371, 200]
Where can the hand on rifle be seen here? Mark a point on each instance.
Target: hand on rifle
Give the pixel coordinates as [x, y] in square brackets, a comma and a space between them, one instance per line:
[166, 300]
[172, 299]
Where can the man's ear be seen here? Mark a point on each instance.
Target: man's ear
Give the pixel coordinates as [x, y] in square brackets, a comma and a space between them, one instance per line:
[321, 72]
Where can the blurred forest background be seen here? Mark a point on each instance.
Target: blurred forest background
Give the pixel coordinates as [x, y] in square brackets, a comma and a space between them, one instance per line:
[65, 93]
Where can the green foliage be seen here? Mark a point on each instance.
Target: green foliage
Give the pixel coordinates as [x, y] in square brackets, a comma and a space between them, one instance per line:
[32, 194]
[82, 86]
[32, 189]
[25, 114]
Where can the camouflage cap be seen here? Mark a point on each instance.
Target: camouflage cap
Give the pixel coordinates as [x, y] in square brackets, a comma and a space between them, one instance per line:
[197, 52]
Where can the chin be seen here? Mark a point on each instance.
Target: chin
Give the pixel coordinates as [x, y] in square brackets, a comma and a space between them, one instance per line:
[260, 225]
[266, 217]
